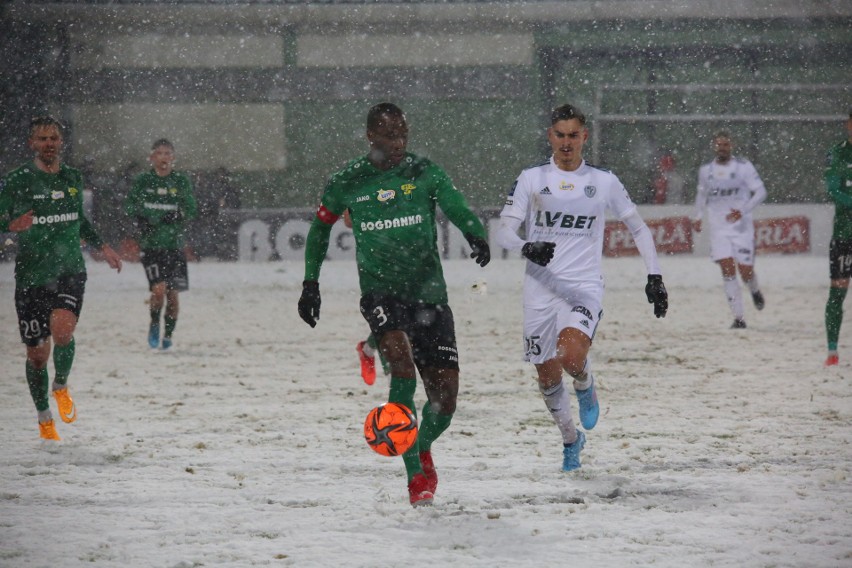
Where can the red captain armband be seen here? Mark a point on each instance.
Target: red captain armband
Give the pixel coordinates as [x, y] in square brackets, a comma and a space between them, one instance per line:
[326, 216]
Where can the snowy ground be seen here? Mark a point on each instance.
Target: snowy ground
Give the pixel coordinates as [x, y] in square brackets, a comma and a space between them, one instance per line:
[243, 446]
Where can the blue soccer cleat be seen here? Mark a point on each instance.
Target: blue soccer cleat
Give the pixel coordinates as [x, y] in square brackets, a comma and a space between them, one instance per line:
[154, 336]
[571, 453]
[590, 410]
[167, 343]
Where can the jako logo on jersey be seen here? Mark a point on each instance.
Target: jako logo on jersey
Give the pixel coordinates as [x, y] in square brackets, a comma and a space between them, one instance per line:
[50, 219]
[385, 195]
[566, 186]
[362, 198]
[590, 190]
[552, 219]
[58, 194]
[392, 223]
[545, 191]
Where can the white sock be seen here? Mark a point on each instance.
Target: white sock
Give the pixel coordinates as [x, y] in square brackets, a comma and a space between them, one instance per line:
[368, 350]
[752, 284]
[44, 416]
[559, 404]
[584, 380]
[735, 297]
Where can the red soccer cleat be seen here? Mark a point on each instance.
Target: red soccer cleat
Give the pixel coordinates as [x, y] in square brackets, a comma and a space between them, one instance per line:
[368, 365]
[429, 470]
[418, 491]
[832, 360]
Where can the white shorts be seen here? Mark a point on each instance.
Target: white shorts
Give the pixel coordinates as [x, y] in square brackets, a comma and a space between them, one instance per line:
[542, 324]
[739, 246]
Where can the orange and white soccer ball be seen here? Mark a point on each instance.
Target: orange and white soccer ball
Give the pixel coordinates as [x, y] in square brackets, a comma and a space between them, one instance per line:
[390, 429]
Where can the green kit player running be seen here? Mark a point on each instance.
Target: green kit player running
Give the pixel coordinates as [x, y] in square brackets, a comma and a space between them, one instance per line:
[392, 196]
[160, 202]
[42, 201]
[838, 182]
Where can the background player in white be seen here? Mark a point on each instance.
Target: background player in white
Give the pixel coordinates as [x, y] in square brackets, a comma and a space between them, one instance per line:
[562, 203]
[729, 188]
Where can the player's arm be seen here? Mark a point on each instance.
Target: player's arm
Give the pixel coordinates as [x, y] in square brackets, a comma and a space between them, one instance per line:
[455, 207]
[758, 191]
[11, 218]
[316, 247]
[511, 217]
[189, 205]
[700, 204]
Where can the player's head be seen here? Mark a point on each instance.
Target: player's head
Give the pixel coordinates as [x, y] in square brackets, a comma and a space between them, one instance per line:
[46, 138]
[567, 135]
[387, 133]
[722, 145]
[162, 156]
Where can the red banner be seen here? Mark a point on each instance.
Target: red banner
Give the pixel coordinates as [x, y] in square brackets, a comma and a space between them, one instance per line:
[672, 235]
[782, 234]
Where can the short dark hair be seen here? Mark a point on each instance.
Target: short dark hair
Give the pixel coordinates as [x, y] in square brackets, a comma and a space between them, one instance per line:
[567, 112]
[374, 115]
[163, 142]
[722, 133]
[45, 120]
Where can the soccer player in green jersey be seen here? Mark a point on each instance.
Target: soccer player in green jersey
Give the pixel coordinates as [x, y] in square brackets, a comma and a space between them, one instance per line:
[392, 196]
[160, 202]
[42, 201]
[838, 182]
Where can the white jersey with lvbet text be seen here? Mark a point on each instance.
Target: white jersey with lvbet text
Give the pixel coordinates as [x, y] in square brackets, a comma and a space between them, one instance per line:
[723, 187]
[567, 208]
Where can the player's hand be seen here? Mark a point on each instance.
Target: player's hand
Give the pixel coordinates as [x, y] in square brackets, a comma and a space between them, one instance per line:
[481, 250]
[309, 302]
[172, 217]
[143, 225]
[734, 216]
[696, 226]
[111, 257]
[655, 290]
[539, 252]
[22, 223]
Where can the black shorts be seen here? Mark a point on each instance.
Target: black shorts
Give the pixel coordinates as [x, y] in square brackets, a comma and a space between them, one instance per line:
[166, 265]
[34, 306]
[840, 259]
[430, 328]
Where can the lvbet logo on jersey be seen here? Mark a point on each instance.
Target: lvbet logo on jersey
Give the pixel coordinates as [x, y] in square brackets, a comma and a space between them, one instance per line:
[563, 220]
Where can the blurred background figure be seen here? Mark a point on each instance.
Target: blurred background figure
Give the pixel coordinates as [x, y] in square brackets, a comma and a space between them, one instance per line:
[669, 184]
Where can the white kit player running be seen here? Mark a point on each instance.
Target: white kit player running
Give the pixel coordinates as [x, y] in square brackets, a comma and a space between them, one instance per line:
[562, 203]
[729, 188]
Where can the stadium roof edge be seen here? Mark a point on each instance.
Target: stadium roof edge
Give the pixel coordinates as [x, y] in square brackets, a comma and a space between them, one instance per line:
[495, 14]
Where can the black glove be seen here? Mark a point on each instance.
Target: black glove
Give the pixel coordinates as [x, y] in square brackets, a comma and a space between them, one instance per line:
[481, 250]
[657, 295]
[539, 252]
[143, 226]
[309, 302]
[172, 217]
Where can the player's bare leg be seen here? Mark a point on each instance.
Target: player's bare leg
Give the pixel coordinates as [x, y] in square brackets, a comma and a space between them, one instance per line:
[750, 279]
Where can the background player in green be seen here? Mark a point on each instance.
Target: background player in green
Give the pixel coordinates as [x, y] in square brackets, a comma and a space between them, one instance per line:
[392, 196]
[42, 201]
[838, 182]
[160, 202]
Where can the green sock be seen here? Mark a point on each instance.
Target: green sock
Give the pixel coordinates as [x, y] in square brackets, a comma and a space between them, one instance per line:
[432, 425]
[155, 317]
[834, 315]
[402, 391]
[38, 382]
[170, 325]
[371, 341]
[63, 357]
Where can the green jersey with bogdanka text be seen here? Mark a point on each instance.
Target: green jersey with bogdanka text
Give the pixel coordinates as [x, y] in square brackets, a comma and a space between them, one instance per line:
[50, 248]
[153, 197]
[395, 227]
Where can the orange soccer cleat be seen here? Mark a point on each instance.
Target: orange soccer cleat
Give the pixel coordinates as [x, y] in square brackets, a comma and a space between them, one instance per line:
[832, 360]
[368, 365]
[67, 408]
[47, 430]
